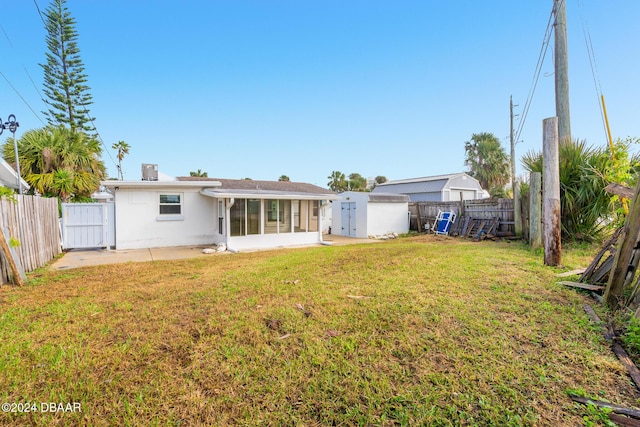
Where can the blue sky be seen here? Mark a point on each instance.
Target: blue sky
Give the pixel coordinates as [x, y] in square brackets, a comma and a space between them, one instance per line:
[259, 89]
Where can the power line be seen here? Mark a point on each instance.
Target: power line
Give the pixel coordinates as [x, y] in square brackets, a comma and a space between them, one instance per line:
[6, 36]
[21, 97]
[103, 144]
[536, 74]
[32, 82]
[594, 70]
[39, 12]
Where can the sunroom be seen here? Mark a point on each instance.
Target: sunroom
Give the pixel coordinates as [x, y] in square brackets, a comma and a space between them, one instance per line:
[265, 219]
[271, 214]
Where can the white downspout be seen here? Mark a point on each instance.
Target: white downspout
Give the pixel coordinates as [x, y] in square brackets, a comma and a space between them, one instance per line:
[320, 218]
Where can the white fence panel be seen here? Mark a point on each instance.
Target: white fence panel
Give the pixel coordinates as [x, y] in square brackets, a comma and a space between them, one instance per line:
[87, 225]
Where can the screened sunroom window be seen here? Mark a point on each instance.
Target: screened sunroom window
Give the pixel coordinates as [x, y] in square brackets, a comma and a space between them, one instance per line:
[220, 216]
[238, 218]
[253, 216]
[284, 216]
[277, 216]
[270, 216]
[313, 216]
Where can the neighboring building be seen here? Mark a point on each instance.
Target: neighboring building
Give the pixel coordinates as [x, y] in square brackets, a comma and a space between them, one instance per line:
[195, 211]
[9, 177]
[362, 214]
[440, 188]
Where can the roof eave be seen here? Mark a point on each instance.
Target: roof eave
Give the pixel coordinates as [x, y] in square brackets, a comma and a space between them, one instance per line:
[160, 184]
[228, 194]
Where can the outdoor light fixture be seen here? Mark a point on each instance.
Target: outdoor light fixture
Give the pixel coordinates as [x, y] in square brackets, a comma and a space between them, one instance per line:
[12, 124]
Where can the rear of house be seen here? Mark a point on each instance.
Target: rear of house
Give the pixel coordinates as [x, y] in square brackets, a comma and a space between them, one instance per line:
[237, 214]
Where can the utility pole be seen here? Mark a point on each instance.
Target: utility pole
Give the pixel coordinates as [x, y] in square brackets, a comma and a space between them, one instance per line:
[515, 185]
[562, 70]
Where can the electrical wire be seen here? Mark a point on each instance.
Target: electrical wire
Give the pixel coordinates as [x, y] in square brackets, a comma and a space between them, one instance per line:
[103, 144]
[22, 97]
[32, 82]
[39, 12]
[536, 74]
[594, 70]
[6, 36]
[12, 85]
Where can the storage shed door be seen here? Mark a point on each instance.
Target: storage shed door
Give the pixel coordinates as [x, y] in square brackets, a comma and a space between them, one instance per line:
[348, 219]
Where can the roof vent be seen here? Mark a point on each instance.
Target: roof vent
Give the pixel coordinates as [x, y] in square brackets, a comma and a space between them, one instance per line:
[149, 172]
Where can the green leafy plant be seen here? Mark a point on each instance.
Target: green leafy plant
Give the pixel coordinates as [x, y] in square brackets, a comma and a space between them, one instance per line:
[597, 416]
[631, 337]
[9, 193]
[587, 211]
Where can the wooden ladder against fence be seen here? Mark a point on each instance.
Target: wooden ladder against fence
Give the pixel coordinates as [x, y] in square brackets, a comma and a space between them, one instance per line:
[32, 223]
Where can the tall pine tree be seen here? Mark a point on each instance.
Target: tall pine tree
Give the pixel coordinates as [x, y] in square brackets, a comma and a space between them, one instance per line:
[64, 78]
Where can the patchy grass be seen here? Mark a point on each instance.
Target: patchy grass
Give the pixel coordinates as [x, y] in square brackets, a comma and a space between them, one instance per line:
[415, 331]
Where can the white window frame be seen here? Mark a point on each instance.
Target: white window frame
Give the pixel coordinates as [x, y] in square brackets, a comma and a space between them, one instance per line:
[171, 216]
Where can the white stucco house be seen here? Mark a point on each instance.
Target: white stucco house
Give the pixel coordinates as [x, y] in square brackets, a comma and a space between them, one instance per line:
[9, 177]
[438, 188]
[361, 214]
[239, 214]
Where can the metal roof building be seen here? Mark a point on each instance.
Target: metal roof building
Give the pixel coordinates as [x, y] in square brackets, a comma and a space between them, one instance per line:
[439, 188]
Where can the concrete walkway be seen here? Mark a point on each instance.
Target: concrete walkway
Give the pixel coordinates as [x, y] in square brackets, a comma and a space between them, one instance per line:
[83, 258]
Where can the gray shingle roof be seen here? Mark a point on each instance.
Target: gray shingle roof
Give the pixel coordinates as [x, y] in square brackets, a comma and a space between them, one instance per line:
[255, 185]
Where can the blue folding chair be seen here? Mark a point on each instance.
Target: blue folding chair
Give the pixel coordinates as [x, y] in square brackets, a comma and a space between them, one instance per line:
[443, 222]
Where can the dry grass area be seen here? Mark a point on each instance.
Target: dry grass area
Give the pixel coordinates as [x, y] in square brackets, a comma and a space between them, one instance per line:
[415, 331]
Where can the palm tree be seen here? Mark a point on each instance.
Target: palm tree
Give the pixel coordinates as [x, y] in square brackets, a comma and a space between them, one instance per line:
[380, 179]
[586, 210]
[59, 162]
[338, 181]
[357, 182]
[123, 149]
[488, 162]
[199, 173]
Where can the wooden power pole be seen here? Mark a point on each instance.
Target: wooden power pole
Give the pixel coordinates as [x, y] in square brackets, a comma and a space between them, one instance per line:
[515, 185]
[562, 70]
[551, 192]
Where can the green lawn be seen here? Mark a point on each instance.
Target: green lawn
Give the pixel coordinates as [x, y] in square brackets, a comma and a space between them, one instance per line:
[414, 331]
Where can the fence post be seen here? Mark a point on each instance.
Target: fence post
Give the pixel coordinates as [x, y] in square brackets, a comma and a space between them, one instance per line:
[551, 192]
[535, 210]
[517, 218]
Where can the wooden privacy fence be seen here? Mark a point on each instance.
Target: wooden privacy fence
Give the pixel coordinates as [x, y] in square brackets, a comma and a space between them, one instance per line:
[470, 211]
[33, 223]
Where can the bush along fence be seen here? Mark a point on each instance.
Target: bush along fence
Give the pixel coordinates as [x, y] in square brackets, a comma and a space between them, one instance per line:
[31, 227]
[474, 218]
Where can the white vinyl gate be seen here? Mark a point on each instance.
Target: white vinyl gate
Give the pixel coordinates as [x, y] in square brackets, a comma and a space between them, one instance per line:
[88, 225]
